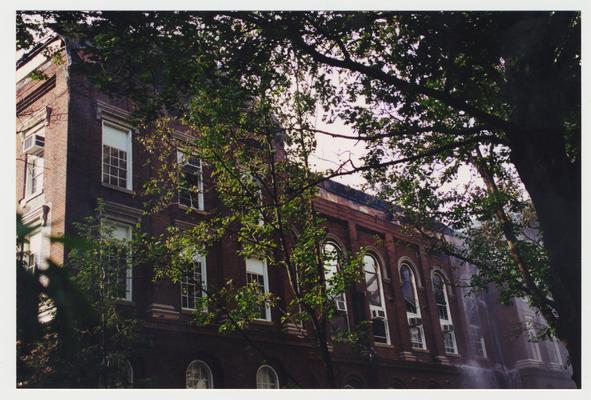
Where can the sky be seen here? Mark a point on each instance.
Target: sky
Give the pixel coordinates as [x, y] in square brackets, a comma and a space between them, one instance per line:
[331, 152]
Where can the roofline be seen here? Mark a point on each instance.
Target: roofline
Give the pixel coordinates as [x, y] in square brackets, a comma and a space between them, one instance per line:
[36, 49]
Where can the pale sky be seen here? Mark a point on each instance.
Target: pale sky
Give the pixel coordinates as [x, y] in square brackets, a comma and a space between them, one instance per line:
[331, 152]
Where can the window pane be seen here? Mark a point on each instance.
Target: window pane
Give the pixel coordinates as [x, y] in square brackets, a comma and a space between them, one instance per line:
[259, 280]
[416, 336]
[371, 281]
[192, 284]
[267, 378]
[379, 330]
[407, 290]
[114, 166]
[190, 181]
[199, 376]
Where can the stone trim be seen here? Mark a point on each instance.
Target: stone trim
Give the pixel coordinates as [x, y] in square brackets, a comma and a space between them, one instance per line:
[162, 311]
[122, 213]
[112, 113]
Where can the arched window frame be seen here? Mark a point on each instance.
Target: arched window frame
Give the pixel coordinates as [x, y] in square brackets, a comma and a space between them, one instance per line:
[447, 328]
[273, 374]
[342, 302]
[377, 312]
[121, 365]
[207, 369]
[417, 331]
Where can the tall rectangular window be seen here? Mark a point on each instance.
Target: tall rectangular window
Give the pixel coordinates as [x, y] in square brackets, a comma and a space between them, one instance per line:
[476, 337]
[441, 300]
[32, 252]
[256, 271]
[190, 181]
[554, 351]
[477, 341]
[532, 339]
[193, 283]
[118, 268]
[333, 257]
[117, 160]
[34, 175]
[413, 309]
[377, 307]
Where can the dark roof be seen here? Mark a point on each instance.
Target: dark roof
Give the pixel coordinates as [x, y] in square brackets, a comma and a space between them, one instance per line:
[354, 195]
[374, 202]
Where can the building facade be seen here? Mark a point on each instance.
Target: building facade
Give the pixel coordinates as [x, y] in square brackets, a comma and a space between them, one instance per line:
[75, 145]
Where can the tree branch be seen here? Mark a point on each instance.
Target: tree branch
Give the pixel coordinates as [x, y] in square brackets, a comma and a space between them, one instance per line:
[287, 30]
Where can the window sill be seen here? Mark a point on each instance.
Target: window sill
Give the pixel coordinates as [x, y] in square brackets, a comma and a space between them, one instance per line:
[30, 197]
[262, 322]
[383, 345]
[456, 355]
[191, 311]
[419, 350]
[119, 189]
[192, 209]
[125, 302]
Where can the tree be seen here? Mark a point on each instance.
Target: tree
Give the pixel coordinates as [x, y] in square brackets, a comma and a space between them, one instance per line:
[255, 167]
[424, 90]
[88, 338]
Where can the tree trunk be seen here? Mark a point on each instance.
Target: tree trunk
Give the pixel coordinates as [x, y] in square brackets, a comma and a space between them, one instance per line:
[554, 185]
[321, 335]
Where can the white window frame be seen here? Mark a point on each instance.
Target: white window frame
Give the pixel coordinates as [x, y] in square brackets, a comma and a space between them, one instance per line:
[198, 258]
[555, 348]
[449, 320]
[129, 270]
[409, 314]
[379, 312]
[330, 268]
[475, 328]
[38, 130]
[34, 247]
[180, 157]
[129, 150]
[259, 267]
[205, 366]
[534, 348]
[39, 177]
[273, 374]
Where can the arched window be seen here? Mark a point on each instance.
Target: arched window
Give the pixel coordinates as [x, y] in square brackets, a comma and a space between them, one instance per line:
[199, 375]
[413, 309]
[120, 373]
[375, 294]
[442, 302]
[333, 257]
[267, 378]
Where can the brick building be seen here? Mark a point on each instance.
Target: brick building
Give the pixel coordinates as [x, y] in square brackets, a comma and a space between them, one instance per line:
[75, 145]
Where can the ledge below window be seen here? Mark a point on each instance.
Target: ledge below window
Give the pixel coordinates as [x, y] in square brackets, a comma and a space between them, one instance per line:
[419, 350]
[30, 198]
[125, 302]
[383, 345]
[118, 188]
[262, 322]
[193, 209]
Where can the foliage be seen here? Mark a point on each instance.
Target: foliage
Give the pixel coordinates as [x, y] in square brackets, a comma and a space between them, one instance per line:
[435, 96]
[88, 338]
